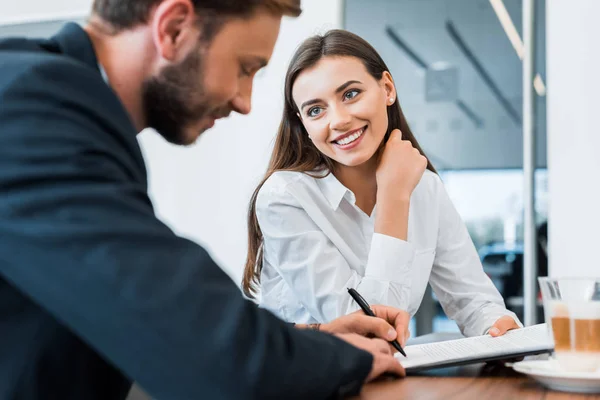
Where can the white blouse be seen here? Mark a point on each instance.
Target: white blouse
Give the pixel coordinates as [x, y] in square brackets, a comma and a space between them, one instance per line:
[318, 243]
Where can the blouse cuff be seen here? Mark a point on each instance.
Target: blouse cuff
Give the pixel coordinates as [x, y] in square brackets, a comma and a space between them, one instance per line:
[390, 258]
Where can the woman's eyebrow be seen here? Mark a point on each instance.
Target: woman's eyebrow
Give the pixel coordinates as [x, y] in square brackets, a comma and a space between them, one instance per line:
[339, 89]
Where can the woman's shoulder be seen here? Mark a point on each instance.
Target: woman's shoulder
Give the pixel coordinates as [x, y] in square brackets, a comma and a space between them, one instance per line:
[430, 182]
[279, 180]
[282, 185]
[428, 190]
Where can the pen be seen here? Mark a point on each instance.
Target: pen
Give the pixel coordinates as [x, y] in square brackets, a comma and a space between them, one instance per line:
[367, 310]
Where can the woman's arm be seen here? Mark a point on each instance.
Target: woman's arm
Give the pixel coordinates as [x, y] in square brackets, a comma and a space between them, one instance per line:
[466, 293]
[314, 268]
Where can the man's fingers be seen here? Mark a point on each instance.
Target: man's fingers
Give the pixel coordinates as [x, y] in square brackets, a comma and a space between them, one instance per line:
[405, 338]
[378, 327]
[382, 329]
[385, 312]
[383, 359]
[388, 365]
[396, 368]
[398, 318]
[385, 365]
[382, 346]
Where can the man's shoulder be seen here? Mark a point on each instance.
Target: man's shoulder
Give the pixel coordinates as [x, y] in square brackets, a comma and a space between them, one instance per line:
[53, 97]
[45, 83]
[20, 69]
[20, 44]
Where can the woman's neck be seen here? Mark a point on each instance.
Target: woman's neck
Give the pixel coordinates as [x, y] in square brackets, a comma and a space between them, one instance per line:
[361, 180]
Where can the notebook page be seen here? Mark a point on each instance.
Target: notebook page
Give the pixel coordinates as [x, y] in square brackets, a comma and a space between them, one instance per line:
[532, 338]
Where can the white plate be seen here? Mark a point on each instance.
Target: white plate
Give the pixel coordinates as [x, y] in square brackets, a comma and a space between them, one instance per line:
[549, 374]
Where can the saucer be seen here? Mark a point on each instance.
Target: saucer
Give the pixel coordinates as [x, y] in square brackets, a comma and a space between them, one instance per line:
[549, 374]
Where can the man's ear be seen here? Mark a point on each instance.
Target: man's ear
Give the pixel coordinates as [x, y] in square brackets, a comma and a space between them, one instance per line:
[174, 28]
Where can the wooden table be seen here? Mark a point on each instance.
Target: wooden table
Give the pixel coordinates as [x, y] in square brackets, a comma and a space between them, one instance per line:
[477, 382]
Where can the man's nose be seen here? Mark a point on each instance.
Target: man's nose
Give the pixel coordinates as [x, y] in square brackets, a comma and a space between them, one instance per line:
[242, 102]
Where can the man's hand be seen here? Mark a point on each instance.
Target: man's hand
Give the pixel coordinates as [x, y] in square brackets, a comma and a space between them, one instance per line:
[391, 324]
[383, 360]
[503, 325]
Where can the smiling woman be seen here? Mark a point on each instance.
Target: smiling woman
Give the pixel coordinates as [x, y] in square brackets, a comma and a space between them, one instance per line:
[342, 73]
[351, 201]
[334, 121]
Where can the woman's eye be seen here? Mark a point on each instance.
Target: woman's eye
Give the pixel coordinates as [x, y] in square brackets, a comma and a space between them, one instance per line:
[350, 94]
[314, 111]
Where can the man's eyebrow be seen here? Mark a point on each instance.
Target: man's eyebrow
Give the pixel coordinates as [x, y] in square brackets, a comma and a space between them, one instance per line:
[339, 89]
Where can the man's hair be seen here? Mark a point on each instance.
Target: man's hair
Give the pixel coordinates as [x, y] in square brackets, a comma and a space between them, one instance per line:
[126, 14]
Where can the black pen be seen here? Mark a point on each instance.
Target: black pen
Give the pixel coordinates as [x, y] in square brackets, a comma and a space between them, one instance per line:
[367, 310]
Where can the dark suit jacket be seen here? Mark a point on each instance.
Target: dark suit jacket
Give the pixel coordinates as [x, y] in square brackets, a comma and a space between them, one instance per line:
[94, 291]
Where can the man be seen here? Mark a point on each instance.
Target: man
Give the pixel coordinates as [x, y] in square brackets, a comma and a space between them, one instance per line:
[94, 291]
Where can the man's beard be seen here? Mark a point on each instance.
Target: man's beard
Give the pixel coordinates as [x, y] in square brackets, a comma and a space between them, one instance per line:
[175, 99]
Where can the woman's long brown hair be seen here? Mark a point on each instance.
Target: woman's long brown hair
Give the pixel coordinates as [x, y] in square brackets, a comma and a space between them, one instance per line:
[293, 150]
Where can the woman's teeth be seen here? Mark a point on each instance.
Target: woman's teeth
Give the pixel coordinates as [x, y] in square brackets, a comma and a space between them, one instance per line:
[351, 138]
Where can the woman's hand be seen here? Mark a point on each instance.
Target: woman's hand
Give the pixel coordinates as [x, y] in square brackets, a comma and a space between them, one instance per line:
[500, 327]
[400, 168]
[503, 325]
[399, 171]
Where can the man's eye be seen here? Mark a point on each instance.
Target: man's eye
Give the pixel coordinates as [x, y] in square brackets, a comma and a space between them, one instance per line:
[245, 71]
[350, 94]
[314, 111]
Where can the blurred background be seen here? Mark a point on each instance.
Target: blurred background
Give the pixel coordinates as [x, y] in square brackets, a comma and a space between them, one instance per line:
[458, 68]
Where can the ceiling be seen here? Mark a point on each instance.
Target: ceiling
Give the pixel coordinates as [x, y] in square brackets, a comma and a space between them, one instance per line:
[479, 124]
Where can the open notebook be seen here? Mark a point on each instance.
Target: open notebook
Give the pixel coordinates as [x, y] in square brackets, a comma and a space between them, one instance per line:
[516, 343]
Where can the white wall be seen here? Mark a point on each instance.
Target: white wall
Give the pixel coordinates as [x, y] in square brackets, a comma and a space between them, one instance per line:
[573, 65]
[203, 191]
[12, 11]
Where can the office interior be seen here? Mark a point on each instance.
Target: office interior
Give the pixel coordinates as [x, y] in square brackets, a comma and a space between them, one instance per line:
[458, 67]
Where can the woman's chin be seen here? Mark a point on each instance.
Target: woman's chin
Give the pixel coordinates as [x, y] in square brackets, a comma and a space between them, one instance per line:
[353, 162]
